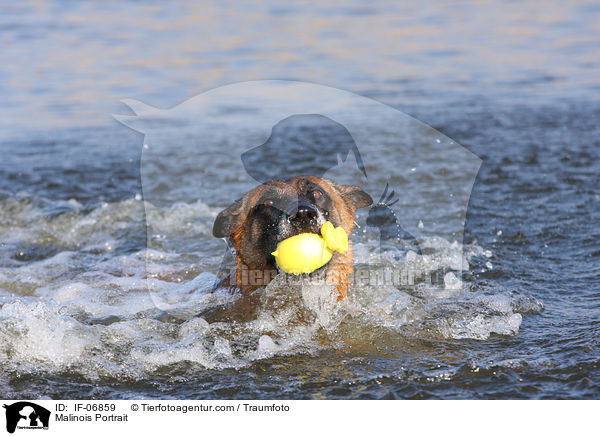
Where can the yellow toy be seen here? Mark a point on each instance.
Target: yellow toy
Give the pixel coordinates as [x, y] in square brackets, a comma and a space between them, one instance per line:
[307, 252]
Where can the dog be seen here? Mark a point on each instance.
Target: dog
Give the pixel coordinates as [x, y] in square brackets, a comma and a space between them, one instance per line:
[279, 209]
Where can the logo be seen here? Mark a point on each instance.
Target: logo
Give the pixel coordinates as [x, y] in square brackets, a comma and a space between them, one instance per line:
[214, 147]
[26, 415]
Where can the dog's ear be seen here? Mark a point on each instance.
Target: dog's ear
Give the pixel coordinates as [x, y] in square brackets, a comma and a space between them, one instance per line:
[223, 226]
[354, 196]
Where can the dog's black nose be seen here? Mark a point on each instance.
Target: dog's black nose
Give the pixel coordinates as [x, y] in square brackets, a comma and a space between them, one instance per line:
[301, 211]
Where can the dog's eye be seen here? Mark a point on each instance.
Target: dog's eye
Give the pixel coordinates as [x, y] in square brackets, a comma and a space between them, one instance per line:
[268, 203]
[316, 194]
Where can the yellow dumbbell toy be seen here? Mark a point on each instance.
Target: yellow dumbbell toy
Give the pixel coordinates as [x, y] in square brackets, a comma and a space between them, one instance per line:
[307, 252]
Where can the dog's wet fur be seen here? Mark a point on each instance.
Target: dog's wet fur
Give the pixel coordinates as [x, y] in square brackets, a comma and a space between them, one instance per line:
[277, 210]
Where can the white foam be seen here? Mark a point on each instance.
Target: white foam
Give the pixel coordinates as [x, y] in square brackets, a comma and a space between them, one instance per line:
[38, 333]
[480, 327]
[100, 311]
[451, 282]
[266, 347]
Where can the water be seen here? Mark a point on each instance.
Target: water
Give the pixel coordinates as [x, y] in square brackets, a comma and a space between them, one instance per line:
[515, 85]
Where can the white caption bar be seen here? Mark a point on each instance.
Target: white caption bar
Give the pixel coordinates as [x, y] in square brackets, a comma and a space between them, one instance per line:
[154, 417]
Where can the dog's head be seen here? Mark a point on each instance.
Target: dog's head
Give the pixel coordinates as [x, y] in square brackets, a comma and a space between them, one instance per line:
[276, 210]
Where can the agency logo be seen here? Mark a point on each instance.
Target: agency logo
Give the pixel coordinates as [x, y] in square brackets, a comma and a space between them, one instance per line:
[26, 415]
[217, 146]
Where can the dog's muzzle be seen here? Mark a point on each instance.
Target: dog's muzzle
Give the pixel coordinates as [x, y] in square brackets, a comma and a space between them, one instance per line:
[301, 211]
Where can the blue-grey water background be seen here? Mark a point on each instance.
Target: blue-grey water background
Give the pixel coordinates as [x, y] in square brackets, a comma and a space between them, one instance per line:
[515, 83]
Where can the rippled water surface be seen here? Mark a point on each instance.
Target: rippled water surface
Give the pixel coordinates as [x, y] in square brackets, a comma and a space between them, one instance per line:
[96, 304]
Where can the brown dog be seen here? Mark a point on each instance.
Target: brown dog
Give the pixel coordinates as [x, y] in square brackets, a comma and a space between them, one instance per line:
[278, 209]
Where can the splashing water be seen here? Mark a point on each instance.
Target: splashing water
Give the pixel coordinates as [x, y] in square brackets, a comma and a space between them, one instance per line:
[78, 294]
